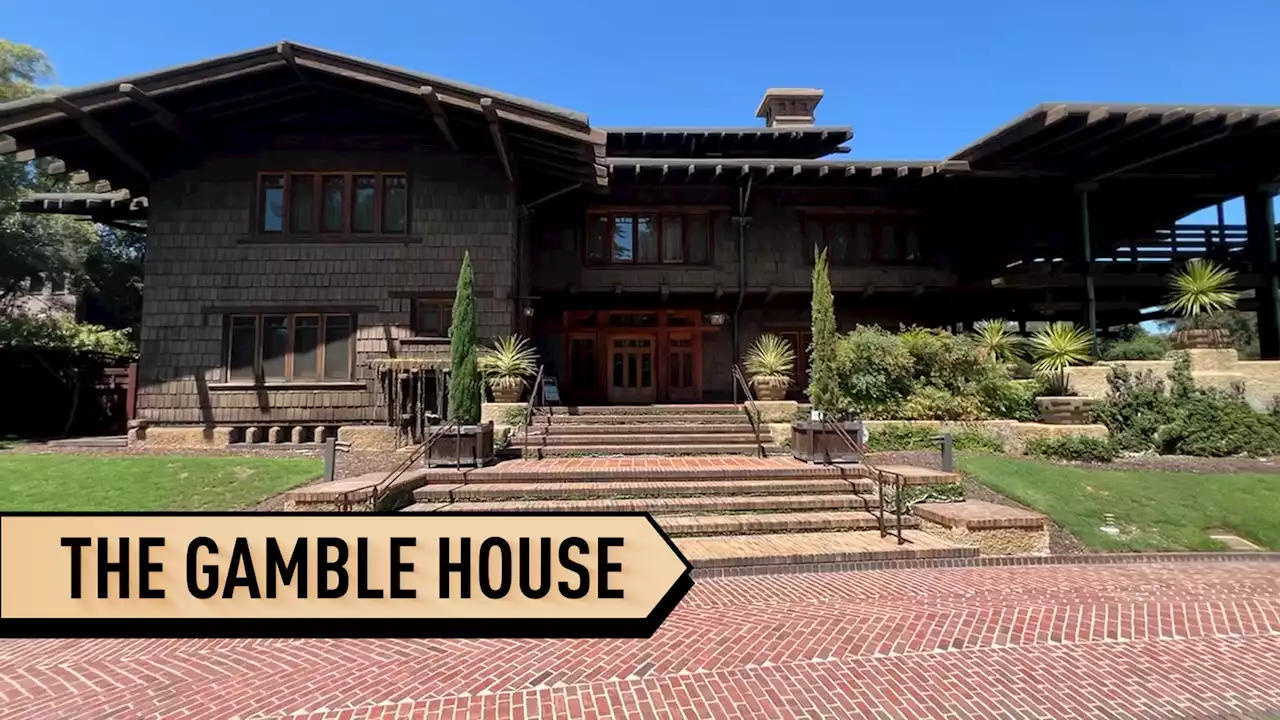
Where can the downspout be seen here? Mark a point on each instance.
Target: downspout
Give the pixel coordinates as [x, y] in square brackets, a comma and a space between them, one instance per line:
[744, 197]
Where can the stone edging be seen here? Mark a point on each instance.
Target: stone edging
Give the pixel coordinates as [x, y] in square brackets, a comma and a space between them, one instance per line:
[986, 561]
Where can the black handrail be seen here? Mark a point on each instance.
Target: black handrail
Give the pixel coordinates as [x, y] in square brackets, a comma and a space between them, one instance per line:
[880, 477]
[535, 395]
[380, 488]
[753, 413]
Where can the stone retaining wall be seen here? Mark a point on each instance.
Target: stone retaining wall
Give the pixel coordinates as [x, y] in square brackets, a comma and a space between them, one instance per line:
[1209, 369]
[1012, 433]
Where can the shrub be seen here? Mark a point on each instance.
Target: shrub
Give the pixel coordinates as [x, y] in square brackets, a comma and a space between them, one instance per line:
[873, 372]
[1139, 347]
[976, 440]
[1011, 399]
[1217, 423]
[464, 368]
[1135, 410]
[1073, 448]
[935, 403]
[892, 437]
[824, 382]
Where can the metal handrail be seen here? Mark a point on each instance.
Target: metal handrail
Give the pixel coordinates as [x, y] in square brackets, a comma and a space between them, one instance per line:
[753, 413]
[880, 477]
[380, 488]
[535, 394]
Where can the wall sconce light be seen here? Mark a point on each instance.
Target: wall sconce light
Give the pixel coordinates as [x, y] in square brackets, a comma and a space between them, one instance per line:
[717, 318]
[528, 311]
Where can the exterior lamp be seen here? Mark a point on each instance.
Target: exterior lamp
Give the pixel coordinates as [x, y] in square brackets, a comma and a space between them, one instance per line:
[717, 318]
[528, 311]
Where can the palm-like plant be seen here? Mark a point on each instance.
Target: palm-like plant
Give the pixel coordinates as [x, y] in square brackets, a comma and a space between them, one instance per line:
[996, 342]
[770, 362]
[507, 364]
[1200, 288]
[1056, 348]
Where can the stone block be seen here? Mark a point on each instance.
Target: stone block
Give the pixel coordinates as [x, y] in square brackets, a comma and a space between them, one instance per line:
[1016, 434]
[179, 437]
[777, 411]
[295, 436]
[500, 413]
[252, 435]
[275, 435]
[995, 529]
[368, 437]
[321, 434]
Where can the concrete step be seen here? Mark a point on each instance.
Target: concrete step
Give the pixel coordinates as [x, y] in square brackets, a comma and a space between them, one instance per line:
[676, 428]
[799, 549]
[632, 410]
[781, 522]
[567, 450]
[671, 505]
[642, 419]
[635, 437]
[636, 489]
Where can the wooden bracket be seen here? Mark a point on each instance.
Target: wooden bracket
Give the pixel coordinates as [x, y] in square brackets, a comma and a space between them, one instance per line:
[499, 138]
[95, 130]
[429, 96]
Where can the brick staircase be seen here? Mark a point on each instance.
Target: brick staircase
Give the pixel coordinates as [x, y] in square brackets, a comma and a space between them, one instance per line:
[651, 430]
[723, 512]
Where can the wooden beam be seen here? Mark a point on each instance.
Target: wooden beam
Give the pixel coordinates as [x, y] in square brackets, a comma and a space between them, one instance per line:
[102, 186]
[57, 167]
[8, 145]
[432, 100]
[903, 171]
[877, 171]
[80, 177]
[95, 130]
[162, 115]
[688, 175]
[23, 156]
[499, 140]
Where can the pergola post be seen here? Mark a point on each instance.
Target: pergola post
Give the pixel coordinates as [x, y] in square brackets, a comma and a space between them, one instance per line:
[1086, 243]
[1260, 222]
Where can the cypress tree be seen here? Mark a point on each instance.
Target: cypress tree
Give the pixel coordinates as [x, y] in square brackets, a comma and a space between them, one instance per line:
[464, 370]
[824, 387]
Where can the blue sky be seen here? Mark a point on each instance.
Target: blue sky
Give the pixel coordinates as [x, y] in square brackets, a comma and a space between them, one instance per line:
[916, 79]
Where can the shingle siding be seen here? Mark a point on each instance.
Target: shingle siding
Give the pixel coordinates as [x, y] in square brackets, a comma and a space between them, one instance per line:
[201, 262]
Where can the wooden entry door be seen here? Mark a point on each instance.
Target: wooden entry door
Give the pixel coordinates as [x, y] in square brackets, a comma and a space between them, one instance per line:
[631, 370]
[683, 367]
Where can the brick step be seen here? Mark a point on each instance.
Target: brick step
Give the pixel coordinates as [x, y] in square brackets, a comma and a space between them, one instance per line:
[637, 469]
[640, 419]
[780, 522]
[672, 505]
[701, 409]
[567, 450]
[635, 437]
[636, 489]
[798, 549]
[593, 428]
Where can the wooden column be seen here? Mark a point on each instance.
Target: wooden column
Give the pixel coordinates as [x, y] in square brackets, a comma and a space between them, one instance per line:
[1260, 221]
[1086, 243]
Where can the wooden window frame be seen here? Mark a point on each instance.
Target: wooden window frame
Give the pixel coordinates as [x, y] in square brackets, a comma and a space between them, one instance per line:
[446, 319]
[291, 325]
[660, 218]
[317, 211]
[900, 221]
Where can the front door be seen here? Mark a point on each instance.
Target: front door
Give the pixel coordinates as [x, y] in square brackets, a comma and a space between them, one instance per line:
[631, 372]
[682, 368]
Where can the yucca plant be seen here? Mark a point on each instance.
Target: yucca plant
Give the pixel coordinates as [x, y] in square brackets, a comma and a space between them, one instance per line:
[1056, 348]
[507, 365]
[770, 363]
[996, 342]
[1197, 292]
[1200, 288]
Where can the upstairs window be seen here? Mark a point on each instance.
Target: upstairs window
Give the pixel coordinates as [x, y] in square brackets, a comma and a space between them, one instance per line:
[432, 317]
[862, 239]
[645, 238]
[332, 204]
[290, 347]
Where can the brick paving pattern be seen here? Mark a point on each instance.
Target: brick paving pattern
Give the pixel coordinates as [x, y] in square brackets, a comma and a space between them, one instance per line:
[1134, 641]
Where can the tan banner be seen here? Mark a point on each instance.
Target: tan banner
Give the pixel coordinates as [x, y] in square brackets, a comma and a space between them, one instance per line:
[277, 566]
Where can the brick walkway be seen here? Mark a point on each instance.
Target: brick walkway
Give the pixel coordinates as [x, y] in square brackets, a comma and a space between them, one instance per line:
[1184, 640]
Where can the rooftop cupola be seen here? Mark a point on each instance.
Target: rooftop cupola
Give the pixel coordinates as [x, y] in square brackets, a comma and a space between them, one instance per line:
[788, 107]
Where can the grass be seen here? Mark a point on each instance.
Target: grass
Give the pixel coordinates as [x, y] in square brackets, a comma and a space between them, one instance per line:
[86, 483]
[1154, 510]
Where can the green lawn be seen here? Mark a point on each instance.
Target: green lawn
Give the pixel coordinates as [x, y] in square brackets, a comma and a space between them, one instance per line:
[82, 482]
[1154, 510]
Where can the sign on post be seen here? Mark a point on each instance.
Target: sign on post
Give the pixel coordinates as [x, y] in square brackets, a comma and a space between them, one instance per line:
[152, 575]
[550, 391]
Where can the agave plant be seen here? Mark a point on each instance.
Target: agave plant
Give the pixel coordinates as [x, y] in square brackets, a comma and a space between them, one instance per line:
[996, 342]
[507, 364]
[1056, 348]
[1200, 288]
[770, 362]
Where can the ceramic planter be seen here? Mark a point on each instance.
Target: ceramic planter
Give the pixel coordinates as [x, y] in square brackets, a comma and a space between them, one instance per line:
[1064, 410]
[1201, 339]
[770, 388]
[506, 390]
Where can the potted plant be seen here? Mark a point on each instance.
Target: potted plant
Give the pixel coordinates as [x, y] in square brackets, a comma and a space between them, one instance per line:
[998, 344]
[469, 442]
[1198, 291]
[507, 366]
[770, 362]
[1056, 348]
[819, 439]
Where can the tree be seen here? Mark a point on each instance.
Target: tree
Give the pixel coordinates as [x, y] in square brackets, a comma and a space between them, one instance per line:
[464, 368]
[824, 385]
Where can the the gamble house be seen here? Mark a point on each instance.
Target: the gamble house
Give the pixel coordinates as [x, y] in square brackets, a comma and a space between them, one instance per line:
[307, 212]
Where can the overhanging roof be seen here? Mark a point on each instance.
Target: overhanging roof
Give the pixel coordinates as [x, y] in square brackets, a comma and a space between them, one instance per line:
[775, 170]
[750, 142]
[1089, 142]
[123, 131]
